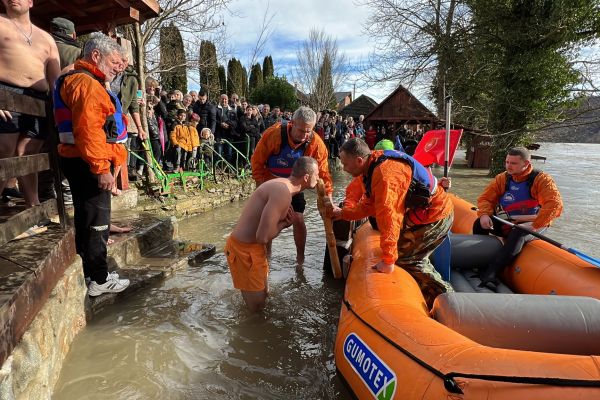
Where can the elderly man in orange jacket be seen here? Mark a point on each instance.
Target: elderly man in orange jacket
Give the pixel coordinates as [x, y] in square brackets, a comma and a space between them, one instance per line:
[522, 195]
[413, 213]
[91, 125]
[279, 147]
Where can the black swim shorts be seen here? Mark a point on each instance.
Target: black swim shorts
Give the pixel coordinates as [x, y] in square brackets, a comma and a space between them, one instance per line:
[29, 125]
[298, 203]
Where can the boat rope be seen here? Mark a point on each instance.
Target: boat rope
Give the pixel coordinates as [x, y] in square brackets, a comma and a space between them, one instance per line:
[448, 378]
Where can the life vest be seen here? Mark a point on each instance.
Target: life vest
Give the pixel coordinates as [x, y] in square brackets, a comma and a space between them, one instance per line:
[517, 198]
[422, 186]
[281, 164]
[115, 126]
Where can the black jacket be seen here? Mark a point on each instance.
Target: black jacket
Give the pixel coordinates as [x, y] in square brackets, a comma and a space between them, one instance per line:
[249, 126]
[228, 116]
[208, 116]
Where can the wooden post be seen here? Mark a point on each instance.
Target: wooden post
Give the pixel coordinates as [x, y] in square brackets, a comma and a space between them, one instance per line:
[322, 199]
[141, 61]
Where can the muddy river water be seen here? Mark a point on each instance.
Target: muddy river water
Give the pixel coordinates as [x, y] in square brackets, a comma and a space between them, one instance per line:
[189, 337]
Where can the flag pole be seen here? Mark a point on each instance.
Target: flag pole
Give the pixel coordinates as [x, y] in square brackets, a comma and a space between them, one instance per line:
[447, 141]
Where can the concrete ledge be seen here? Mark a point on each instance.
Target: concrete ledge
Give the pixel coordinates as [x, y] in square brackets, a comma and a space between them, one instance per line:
[126, 201]
[149, 233]
[29, 271]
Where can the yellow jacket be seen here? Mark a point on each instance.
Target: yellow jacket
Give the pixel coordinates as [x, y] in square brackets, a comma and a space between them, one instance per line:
[186, 137]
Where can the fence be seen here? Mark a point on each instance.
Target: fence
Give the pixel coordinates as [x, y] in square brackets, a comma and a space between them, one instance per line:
[15, 224]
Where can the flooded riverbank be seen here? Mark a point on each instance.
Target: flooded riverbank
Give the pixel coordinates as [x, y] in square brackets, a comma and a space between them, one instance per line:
[190, 337]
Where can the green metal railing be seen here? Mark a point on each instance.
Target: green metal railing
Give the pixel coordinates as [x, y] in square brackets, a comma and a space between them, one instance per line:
[216, 168]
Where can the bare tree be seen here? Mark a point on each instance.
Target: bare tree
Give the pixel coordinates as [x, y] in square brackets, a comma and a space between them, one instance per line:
[415, 41]
[318, 49]
[265, 32]
[196, 20]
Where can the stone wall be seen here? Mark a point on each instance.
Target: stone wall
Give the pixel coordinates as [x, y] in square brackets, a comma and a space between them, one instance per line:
[34, 366]
[183, 204]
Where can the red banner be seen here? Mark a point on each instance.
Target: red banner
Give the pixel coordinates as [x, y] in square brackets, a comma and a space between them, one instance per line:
[431, 148]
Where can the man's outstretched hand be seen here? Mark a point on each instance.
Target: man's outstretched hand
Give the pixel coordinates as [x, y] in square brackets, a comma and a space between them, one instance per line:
[332, 211]
[383, 267]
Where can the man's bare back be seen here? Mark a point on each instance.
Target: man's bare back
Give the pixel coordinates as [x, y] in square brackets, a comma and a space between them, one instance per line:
[266, 212]
[34, 66]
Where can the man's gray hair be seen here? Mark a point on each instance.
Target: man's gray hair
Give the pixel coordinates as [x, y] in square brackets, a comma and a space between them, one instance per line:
[304, 166]
[305, 115]
[102, 43]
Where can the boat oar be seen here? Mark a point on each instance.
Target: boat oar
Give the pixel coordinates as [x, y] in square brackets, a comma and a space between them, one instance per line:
[594, 261]
[328, 223]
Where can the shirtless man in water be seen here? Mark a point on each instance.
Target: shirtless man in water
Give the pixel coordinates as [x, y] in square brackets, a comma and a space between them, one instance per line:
[29, 64]
[266, 213]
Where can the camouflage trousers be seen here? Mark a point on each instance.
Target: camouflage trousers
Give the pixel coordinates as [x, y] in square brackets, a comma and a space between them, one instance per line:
[415, 245]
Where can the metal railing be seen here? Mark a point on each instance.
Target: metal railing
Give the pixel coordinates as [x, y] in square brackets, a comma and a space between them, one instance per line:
[216, 167]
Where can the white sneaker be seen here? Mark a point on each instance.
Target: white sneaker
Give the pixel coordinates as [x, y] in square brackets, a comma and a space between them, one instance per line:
[112, 285]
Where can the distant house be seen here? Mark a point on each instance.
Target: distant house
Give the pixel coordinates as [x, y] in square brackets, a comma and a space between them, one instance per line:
[342, 99]
[401, 108]
[363, 105]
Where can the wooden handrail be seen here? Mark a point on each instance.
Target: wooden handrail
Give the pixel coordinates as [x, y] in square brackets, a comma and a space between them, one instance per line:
[24, 220]
[24, 165]
[21, 103]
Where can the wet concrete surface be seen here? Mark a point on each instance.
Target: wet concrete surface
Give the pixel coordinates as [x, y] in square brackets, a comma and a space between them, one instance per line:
[29, 270]
[31, 267]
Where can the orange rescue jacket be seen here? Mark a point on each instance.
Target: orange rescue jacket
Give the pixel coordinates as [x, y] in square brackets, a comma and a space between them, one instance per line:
[270, 143]
[389, 186]
[90, 104]
[544, 190]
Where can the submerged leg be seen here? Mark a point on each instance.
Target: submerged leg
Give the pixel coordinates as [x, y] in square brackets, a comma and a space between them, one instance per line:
[255, 301]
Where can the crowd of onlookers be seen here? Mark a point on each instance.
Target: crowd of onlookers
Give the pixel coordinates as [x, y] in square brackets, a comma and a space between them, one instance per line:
[186, 129]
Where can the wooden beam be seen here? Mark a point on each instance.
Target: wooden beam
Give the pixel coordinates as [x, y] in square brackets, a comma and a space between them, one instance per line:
[72, 10]
[24, 220]
[120, 16]
[123, 3]
[24, 165]
[150, 4]
[21, 103]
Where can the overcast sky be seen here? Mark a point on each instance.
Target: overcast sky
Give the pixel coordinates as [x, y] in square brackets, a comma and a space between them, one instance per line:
[293, 20]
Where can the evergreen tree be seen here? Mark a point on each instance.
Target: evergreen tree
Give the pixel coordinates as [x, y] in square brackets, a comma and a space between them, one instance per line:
[268, 70]
[525, 47]
[235, 77]
[222, 79]
[256, 77]
[277, 92]
[245, 91]
[323, 96]
[173, 65]
[209, 70]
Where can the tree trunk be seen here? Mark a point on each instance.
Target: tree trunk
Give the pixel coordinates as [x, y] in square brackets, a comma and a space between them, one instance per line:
[143, 113]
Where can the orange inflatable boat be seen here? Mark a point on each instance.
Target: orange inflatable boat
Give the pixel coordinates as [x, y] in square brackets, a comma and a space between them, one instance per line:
[537, 338]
